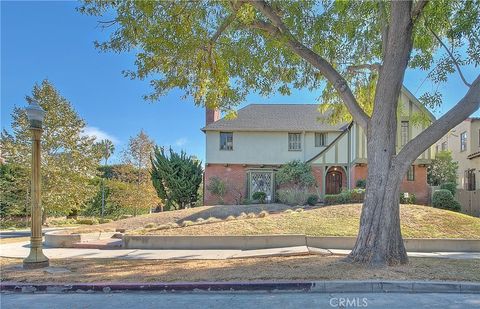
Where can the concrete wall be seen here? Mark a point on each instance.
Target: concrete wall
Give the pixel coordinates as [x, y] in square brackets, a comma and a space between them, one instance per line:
[261, 148]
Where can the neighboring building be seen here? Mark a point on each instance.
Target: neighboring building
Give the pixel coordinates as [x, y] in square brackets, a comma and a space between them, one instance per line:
[247, 151]
[463, 142]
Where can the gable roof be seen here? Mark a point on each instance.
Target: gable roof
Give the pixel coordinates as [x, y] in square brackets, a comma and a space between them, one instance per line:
[276, 117]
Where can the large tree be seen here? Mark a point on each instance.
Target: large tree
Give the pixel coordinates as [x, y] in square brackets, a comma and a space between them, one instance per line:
[137, 154]
[358, 51]
[69, 159]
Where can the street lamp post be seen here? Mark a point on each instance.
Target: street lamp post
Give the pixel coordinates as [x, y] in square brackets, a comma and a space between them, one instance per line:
[36, 258]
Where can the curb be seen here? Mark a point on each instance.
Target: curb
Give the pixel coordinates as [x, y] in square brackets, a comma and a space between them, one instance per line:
[257, 286]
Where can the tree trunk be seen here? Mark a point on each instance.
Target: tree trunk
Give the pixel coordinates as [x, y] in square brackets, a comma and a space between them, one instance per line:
[379, 239]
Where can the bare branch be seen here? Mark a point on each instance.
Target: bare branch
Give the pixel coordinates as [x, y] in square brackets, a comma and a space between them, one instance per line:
[278, 28]
[360, 67]
[418, 9]
[451, 56]
[464, 108]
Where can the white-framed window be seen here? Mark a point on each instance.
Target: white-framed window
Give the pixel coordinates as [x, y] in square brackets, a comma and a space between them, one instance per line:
[411, 173]
[463, 141]
[404, 133]
[320, 139]
[226, 140]
[294, 141]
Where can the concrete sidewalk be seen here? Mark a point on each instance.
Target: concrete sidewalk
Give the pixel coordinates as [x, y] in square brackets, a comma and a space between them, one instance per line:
[21, 250]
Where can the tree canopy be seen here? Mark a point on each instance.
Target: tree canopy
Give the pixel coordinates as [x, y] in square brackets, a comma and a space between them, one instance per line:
[219, 51]
[69, 158]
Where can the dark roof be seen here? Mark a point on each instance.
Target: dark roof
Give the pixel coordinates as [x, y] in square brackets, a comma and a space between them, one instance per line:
[276, 117]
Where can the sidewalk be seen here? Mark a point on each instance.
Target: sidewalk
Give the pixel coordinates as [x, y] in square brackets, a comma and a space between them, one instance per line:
[21, 250]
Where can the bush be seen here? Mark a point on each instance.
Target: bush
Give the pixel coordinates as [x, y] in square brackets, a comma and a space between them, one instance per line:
[347, 196]
[295, 174]
[312, 200]
[87, 221]
[217, 187]
[260, 197]
[150, 226]
[450, 186]
[292, 196]
[104, 221]
[361, 183]
[443, 199]
[411, 199]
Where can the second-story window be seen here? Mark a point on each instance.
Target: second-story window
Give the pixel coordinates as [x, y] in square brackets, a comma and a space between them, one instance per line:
[404, 133]
[226, 140]
[294, 141]
[320, 139]
[463, 141]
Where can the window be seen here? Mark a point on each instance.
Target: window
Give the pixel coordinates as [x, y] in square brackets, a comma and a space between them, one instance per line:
[469, 183]
[463, 141]
[294, 141]
[226, 141]
[437, 149]
[320, 139]
[411, 173]
[404, 133]
[444, 146]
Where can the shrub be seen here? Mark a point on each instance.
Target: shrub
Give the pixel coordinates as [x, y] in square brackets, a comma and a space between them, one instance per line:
[260, 197]
[149, 226]
[217, 187]
[187, 223]
[312, 200]
[87, 221]
[200, 220]
[347, 196]
[246, 201]
[295, 173]
[104, 221]
[357, 195]
[361, 183]
[410, 199]
[450, 186]
[443, 199]
[292, 196]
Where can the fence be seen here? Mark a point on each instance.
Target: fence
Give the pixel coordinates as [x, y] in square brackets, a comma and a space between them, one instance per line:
[470, 201]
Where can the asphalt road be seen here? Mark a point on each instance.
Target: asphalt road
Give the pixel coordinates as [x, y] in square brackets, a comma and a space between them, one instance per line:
[240, 300]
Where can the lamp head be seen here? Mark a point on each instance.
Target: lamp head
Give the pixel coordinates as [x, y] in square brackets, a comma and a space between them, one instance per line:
[35, 115]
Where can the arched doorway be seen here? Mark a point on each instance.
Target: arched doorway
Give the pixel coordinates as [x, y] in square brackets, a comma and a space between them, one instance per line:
[333, 182]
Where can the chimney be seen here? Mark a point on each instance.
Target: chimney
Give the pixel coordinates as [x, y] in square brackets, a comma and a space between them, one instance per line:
[211, 115]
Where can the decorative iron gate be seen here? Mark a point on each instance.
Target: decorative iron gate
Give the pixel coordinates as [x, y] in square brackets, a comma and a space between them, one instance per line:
[261, 181]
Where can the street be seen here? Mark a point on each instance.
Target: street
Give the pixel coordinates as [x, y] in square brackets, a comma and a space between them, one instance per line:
[240, 300]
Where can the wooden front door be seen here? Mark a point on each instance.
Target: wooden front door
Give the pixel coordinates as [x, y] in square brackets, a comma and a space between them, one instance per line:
[333, 183]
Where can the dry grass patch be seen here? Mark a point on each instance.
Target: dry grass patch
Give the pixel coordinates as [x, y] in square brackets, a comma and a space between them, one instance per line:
[12, 240]
[275, 268]
[341, 220]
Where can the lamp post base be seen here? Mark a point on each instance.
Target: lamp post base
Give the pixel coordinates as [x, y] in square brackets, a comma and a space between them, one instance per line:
[36, 259]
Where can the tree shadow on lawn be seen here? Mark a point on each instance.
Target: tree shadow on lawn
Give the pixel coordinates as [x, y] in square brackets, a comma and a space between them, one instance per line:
[223, 211]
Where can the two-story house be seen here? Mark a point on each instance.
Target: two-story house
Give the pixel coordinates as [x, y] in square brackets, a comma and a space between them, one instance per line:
[463, 142]
[246, 151]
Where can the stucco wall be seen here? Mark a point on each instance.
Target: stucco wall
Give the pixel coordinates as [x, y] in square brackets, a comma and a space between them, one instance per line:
[472, 128]
[261, 148]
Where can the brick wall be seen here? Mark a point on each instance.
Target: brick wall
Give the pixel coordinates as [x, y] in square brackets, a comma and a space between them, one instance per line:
[235, 177]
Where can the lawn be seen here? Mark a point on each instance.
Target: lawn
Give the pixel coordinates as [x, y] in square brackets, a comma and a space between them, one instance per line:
[341, 220]
[274, 268]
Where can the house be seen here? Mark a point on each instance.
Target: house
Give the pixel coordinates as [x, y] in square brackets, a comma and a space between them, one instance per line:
[245, 152]
[463, 142]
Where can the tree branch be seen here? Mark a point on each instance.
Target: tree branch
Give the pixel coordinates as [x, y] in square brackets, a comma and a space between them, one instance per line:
[464, 108]
[230, 18]
[451, 56]
[418, 9]
[356, 68]
[278, 28]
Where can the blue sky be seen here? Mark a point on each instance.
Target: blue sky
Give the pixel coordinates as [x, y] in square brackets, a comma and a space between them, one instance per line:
[51, 40]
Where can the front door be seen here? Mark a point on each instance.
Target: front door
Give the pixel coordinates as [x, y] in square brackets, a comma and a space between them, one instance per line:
[333, 183]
